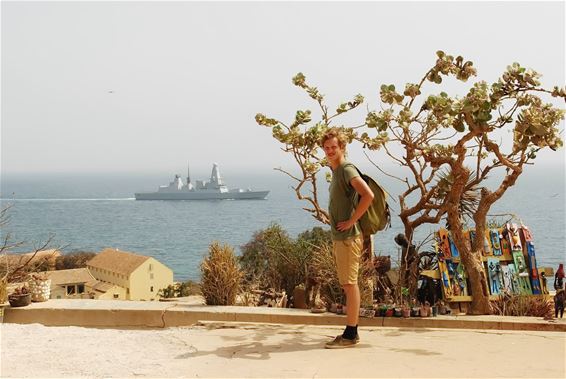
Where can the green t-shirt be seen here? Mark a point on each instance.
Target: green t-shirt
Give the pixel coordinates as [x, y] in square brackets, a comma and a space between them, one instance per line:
[341, 203]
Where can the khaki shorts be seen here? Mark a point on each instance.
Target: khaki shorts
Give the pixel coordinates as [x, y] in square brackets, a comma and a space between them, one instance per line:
[347, 255]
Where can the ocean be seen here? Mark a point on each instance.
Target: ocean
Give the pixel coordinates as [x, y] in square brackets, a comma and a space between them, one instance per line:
[93, 212]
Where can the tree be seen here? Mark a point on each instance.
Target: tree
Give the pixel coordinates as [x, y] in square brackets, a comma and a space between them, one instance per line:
[76, 259]
[302, 142]
[451, 144]
[441, 138]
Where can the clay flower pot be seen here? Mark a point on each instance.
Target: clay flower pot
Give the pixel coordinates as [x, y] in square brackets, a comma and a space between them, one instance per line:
[19, 300]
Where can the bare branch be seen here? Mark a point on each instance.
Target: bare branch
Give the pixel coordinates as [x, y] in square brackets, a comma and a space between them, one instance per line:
[379, 168]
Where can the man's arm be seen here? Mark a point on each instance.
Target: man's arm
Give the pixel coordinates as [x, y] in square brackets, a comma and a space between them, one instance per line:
[366, 197]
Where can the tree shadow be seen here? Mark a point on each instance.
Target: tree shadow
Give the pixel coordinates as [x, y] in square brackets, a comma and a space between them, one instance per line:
[255, 345]
[416, 351]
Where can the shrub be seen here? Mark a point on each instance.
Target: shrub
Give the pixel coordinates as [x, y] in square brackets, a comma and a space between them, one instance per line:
[523, 305]
[261, 256]
[221, 275]
[72, 260]
[323, 270]
[274, 260]
[183, 289]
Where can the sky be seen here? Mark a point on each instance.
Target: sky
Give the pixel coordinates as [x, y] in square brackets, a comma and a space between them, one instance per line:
[110, 87]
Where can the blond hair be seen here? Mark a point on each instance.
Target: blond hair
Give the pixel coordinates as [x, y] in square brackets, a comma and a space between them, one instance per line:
[335, 133]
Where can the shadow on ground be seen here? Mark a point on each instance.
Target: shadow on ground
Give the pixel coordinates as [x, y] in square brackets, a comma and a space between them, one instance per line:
[254, 345]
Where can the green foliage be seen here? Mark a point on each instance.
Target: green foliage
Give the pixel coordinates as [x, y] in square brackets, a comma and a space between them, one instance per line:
[535, 126]
[183, 289]
[315, 238]
[436, 131]
[301, 138]
[77, 259]
[272, 259]
[220, 275]
[388, 94]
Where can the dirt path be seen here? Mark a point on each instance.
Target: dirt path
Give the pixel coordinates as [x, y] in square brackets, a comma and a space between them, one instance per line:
[247, 350]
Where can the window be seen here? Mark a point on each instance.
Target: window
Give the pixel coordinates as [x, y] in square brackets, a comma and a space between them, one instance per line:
[150, 267]
[151, 275]
[116, 296]
[81, 288]
[70, 290]
[127, 290]
[151, 289]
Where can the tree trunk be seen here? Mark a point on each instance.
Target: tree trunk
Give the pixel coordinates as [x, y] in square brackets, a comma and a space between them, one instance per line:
[478, 282]
[470, 258]
[407, 276]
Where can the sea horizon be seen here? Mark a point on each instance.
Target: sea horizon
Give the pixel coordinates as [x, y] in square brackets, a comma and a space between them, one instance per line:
[89, 212]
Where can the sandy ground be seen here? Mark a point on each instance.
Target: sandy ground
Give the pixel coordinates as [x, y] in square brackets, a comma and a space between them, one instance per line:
[264, 350]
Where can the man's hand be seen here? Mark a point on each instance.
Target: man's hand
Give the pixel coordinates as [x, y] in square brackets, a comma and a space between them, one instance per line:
[345, 225]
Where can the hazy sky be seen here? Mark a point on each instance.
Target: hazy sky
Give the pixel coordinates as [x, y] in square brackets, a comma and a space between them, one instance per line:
[143, 86]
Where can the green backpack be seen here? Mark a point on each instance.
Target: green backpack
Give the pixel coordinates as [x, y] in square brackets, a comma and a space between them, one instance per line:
[378, 216]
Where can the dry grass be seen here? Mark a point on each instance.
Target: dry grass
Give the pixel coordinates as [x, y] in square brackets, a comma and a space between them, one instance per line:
[323, 269]
[3, 290]
[221, 275]
[523, 305]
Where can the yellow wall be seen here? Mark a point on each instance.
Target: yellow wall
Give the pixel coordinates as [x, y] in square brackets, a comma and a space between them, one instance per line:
[150, 274]
[109, 276]
[109, 295]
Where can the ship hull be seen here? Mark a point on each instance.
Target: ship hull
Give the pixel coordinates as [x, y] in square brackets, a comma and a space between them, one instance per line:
[197, 195]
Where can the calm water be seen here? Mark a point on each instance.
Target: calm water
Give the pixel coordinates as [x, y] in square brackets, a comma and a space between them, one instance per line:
[94, 212]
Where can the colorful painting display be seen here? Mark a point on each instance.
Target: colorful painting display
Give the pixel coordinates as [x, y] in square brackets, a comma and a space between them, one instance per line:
[495, 276]
[522, 273]
[510, 262]
[494, 236]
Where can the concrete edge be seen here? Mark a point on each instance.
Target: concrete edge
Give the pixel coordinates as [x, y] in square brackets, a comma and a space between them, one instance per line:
[175, 317]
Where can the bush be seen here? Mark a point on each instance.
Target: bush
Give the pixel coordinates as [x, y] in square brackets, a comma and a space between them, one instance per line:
[221, 275]
[323, 270]
[523, 305]
[183, 289]
[273, 260]
[72, 260]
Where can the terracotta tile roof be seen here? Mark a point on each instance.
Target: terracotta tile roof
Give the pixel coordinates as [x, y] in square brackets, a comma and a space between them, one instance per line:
[71, 276]
[114, 260]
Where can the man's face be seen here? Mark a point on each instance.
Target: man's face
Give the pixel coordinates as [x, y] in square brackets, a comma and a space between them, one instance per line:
[333, 150]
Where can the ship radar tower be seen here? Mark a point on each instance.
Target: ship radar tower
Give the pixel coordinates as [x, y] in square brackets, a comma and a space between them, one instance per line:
[215, 175]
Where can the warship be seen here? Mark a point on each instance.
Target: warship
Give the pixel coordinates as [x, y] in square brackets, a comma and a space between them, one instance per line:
[214, 189]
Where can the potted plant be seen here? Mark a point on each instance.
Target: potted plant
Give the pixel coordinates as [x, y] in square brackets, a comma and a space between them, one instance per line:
[406, 305]
[425, 309]
[39, 286]
[20, 297]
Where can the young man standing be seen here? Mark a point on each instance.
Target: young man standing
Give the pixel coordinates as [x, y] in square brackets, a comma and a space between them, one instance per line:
[346, 237]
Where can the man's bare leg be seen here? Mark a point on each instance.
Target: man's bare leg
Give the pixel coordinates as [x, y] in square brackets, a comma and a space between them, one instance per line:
[352, 304]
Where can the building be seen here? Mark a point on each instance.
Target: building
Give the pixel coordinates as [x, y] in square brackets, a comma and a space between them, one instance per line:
[79, 283]
[139, 277]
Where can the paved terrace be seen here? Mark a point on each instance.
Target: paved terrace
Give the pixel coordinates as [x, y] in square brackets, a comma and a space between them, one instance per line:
[186, 312]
